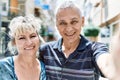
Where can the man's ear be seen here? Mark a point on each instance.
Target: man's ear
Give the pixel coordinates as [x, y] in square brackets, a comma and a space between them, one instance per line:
[83, 21]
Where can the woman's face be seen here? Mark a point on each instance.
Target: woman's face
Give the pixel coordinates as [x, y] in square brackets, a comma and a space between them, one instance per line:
[69, 22]
[27, 43]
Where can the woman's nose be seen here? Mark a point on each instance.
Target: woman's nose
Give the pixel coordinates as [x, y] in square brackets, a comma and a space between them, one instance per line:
[28, 41]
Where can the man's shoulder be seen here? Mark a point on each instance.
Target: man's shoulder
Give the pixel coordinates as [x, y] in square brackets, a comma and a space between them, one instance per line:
[98, 44]
[48, 44]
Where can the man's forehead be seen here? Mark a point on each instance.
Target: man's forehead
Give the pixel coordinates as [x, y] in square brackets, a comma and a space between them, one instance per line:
[68, 15]
[68, 11]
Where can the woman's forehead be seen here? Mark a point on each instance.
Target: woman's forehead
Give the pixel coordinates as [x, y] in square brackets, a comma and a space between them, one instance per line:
[26, 32]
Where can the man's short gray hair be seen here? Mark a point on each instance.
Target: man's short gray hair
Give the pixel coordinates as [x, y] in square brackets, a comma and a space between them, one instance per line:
[68, 4]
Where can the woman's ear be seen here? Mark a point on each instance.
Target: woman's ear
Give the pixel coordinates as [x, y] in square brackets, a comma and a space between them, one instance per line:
[13, 42]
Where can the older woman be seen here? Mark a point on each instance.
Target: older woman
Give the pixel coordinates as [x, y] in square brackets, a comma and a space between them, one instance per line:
[24, 66]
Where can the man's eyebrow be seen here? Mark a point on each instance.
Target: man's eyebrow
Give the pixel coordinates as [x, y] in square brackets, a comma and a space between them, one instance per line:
[74, 18]
[61, 20]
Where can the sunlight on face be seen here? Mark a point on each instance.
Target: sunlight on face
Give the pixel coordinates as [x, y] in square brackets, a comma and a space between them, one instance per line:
[24, 32]
[27, 42]
[69, 23]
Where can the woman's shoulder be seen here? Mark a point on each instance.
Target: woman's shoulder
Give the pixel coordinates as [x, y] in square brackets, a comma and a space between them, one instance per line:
[6, 63]
[42, 64]
[43, 73]
[6, 69]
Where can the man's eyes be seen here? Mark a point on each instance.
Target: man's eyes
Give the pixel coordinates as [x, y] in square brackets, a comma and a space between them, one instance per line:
[62, 23]
[72, 23]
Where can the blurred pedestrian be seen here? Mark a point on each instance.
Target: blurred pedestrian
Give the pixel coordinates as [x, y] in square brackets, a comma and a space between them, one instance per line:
[73, 57]
[24, 32]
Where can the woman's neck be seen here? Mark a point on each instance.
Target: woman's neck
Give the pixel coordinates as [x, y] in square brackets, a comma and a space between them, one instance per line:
[24, 66]
[26, 61]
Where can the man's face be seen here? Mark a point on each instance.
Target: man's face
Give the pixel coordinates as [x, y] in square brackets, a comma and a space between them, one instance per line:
[69, 22]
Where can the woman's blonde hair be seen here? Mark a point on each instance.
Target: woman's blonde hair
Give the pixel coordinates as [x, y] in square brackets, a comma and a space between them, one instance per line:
[21, 24]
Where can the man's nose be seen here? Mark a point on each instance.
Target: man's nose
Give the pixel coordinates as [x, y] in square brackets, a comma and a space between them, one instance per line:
[69, 28]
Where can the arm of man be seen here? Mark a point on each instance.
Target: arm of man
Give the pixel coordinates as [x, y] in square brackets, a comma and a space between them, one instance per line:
[106, 65]
[104, 60]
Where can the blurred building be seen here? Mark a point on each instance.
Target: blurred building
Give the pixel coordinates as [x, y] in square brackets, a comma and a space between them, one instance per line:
[4, 11]
[105, 14]
[8, 10]
[42, 9]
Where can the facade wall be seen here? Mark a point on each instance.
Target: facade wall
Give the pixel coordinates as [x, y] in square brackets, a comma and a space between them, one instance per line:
[105, 12]
[113, 8]
[106, 15]
[14, 6]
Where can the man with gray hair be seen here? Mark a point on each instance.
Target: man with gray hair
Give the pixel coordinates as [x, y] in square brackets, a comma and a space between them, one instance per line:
[73, 57]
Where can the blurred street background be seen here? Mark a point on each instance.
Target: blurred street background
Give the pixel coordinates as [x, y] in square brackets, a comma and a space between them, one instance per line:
[102, 18]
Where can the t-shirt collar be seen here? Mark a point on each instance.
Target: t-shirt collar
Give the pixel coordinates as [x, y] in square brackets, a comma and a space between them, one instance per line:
[83, 44]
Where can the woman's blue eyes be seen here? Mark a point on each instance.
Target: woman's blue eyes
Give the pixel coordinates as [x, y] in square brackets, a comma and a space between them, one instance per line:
[21, 38]
[33, 36]
[25, 38]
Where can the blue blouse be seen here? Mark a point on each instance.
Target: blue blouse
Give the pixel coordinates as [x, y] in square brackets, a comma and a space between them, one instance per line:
[7, 71]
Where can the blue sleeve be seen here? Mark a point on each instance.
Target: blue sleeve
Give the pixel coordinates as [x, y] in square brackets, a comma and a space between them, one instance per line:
[43, 72]
[5, 71]
[98, 49]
